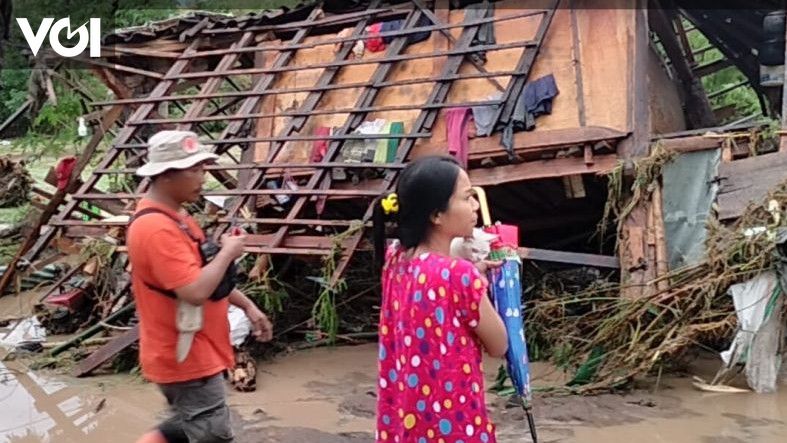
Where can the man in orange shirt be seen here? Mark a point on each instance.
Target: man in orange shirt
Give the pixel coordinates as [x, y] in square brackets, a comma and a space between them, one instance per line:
[167, 269]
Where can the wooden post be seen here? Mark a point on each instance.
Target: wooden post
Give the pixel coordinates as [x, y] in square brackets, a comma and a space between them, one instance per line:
[783, 136]
[662, 261]
[632, 252]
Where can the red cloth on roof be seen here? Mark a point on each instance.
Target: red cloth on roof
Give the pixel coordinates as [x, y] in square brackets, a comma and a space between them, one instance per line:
[320, 147]
[456, 125]
[63, 171]
[375, 43]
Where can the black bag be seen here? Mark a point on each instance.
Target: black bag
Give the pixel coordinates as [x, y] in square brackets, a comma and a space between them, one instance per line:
[207, 250]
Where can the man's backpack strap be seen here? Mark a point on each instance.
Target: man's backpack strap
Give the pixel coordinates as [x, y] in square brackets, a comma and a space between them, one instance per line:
[181, 225]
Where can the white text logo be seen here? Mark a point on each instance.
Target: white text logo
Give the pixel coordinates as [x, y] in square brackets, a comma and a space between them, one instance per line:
[87, 38]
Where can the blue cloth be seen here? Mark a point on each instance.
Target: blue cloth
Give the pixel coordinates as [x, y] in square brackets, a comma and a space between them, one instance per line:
[395, 25]
[535, 100]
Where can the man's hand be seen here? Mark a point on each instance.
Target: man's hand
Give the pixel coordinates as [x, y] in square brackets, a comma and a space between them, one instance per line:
[261, 327]
[232, 245]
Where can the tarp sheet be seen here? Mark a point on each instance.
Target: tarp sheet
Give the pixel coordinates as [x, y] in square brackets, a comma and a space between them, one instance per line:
[689, 190]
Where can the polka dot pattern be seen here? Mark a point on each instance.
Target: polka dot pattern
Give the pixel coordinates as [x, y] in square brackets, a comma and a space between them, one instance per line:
[430, 383]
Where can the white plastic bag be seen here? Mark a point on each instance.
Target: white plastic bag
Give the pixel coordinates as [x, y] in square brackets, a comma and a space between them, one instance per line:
[240, 325]
[476, 248]
[759, 331]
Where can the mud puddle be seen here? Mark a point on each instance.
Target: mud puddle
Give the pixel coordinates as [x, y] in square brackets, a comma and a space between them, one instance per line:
[327, 396]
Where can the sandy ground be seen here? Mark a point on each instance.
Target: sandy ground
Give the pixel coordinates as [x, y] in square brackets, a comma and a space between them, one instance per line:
[327, 396]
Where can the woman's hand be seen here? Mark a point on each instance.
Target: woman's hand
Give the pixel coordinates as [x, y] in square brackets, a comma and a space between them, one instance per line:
[485, 265]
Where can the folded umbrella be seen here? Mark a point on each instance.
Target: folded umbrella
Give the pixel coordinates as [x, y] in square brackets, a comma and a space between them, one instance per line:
[506, 292]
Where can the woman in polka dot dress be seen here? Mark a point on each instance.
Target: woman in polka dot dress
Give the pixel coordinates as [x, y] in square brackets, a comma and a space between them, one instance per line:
[435, 313]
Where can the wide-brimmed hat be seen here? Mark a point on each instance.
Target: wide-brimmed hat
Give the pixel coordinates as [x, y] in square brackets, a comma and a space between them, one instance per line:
[174, 150]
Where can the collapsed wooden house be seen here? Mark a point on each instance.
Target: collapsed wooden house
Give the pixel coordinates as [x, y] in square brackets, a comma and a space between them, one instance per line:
[283, 96]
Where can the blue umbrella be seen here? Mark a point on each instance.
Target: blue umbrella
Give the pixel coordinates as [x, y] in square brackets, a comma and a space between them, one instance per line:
[506, 292]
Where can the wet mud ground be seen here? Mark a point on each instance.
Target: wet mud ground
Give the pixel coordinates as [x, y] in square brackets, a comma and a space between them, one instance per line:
[327, 396]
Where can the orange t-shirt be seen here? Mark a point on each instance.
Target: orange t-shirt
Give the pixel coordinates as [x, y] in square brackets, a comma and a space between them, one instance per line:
[164, 256]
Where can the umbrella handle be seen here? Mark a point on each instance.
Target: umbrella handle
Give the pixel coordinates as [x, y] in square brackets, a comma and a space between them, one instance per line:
[484, 205]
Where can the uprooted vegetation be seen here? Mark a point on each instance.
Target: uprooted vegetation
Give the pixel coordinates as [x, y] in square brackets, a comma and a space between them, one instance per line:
[607, 339]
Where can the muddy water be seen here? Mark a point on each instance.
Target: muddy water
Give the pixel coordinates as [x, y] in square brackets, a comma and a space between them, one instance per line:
[327, 396]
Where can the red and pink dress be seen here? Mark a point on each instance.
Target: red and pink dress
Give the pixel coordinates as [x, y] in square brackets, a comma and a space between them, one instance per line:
[430, 386]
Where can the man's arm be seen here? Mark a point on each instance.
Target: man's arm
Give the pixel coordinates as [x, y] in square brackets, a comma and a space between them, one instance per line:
[261, 326]
[198, 291]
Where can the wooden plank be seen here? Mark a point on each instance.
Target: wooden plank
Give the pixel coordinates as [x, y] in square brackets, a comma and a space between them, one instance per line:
[539, 169]
[107, 352]
[588, 155]
[609, 42]
[32, 240]
[632, 252]
[235, 141]
[712, 67]
[338, 64]
[293, 241]
[531, 141]
[306, 167]
[575, 48]
[406, 81]
[748, 180]
[574, 258]
[12, 118]
[411, 106]
[691, 144]
[304, 192]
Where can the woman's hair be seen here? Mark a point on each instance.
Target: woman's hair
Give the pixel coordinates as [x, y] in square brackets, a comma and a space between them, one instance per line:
[424, 188]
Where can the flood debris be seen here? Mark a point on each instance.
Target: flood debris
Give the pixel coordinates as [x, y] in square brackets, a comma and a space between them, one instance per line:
[15, 182]
[609, 338]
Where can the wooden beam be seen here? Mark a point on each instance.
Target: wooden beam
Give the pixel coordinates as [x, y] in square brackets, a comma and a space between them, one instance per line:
[12, 118]
[691, 144]
[574, 258]
[531, 141]
[575, 51]
[712, 67]
[697, 107]
[559, 167]
[293, 241]
[106, 352]
[356, 62]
